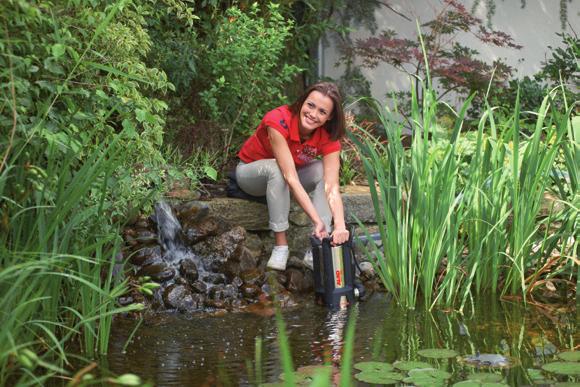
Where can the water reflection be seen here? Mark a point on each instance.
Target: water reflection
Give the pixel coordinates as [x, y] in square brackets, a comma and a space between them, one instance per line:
[174, 350]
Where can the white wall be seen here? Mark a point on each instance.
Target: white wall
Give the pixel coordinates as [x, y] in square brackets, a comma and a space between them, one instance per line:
[534, 27]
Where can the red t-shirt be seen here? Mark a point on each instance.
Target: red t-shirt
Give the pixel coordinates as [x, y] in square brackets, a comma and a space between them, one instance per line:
[258, 147]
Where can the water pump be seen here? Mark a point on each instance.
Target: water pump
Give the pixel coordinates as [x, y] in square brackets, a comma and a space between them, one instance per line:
[334, 273]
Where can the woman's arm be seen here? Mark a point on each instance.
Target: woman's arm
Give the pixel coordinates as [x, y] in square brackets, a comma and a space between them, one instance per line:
[331, 163]
[286, 163]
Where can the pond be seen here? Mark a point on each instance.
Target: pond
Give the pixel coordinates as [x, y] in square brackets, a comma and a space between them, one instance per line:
[204, 350]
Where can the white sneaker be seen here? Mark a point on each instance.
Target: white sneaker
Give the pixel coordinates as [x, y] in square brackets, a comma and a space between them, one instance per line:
[308, 260]
[278, 258]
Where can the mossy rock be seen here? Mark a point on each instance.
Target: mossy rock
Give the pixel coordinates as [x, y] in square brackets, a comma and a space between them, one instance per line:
[437, 353]
[570, 355]
[563, 367]
[374, 366]
[411, 365]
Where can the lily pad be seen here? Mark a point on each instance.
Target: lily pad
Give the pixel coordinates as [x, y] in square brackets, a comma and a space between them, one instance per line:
[570, 356]
[567, 384]
[485, 377]
[475, 383]
[432, 373]
[410, 365]
[437, 353]
[379, 377]
[374, 366]
[535, 374]
[563, 367]
[424, 381]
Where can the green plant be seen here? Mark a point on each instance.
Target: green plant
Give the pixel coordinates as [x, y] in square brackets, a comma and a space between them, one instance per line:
[243, 58]
[442, 236]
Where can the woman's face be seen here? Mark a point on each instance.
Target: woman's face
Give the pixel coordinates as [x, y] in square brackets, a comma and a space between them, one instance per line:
[315, 112]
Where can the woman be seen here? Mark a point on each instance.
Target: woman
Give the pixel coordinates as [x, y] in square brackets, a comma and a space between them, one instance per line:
[281, 157]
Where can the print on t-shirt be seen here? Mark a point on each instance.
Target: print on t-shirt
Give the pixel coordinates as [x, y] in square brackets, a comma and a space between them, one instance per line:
[307, 153]
[283, 123]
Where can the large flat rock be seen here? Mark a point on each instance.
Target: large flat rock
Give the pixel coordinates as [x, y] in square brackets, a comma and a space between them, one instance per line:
[254, 216]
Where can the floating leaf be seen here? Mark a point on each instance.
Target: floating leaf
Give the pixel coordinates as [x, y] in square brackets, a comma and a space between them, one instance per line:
[424, 381]
[570, 355]
[535, 374]
[485, 377]
[563, 368]
[432, 373]
[128, 380]
[437, 353]
[379, 377]
[374, 366]
[409, 365]
[475, 383]
[565, 384]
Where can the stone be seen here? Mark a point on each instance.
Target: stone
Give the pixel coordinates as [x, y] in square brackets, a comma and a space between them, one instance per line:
[252, 277]
[214, 278]
[295, 280]
[182, 194]
[358, 204]
[146, 237]
[367, 269]
[247, 214]
[159, 272]
[188, 270]
[216, 251]
[191, 213]
[299, 218]
[250, 291]
[231, 269]
[145, 255]
[246, 259]
[178, 297]
[199, 287]
[254, 244]
[206, 228]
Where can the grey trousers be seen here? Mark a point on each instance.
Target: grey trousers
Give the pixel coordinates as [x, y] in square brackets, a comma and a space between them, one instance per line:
[263, 177]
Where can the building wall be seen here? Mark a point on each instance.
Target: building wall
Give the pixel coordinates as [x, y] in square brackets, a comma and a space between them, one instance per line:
[534, 27]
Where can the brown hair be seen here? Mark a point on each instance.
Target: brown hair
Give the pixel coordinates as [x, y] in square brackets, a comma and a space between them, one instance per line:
[336, 125]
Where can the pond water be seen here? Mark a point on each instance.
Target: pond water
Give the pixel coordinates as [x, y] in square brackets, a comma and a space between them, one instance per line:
[202, 350]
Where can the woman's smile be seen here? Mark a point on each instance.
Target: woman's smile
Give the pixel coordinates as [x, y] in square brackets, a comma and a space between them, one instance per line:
[315, 112]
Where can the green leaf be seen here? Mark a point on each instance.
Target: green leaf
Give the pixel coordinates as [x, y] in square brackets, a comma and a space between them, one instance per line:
[210, 172]
[374, 366]
[128, 380]
[58, 50]
[410, 365]
[570, 355]
[563, 368]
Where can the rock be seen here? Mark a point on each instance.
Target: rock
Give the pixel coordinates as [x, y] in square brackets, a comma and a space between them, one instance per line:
[294, 262]
[146, 237]
[159, 272]
[299, 218]
[182, 194]
[252, 277]
[218, 250]
[188, 270]
[367, 269]
[191, 213]
[237, 281]
[295, 280]
[254, 244]
[231, 269]
[145, 255]
[124, 301]
[214, 278]
[199, 287]
[247, 260]
[247, 214]
[179, 297]
[250, 291]
[208, 227]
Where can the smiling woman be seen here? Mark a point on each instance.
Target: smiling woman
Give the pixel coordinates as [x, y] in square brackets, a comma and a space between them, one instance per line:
[282, 157]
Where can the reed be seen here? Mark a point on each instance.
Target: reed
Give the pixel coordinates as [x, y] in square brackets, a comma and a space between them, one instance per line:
[441, 239]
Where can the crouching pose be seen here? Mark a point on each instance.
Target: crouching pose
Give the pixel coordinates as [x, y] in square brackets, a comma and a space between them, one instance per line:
[282, 156]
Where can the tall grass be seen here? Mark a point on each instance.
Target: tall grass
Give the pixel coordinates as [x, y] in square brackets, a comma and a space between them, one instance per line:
[58, 245]
[443, 239]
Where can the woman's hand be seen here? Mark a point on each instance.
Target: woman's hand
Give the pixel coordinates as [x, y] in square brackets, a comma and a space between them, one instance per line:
[339, 236]
[320, 230]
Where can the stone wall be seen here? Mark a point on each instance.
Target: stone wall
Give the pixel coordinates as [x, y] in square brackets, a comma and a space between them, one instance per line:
[253, 217]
